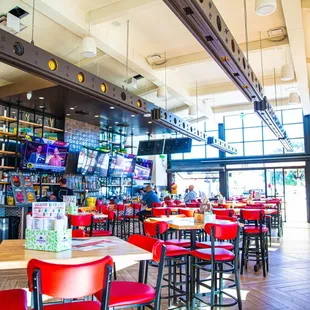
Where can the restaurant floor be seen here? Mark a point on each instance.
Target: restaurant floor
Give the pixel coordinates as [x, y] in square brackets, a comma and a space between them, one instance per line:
[287, 285]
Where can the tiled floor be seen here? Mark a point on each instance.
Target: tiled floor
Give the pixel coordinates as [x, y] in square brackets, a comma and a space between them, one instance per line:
[287, 285]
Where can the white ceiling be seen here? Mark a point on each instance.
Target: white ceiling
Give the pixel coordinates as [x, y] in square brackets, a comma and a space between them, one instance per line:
[153, 28]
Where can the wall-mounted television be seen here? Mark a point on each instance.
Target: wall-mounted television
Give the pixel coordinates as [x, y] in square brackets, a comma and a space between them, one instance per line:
[179, 145]
[93, 162]
[122, 165]
[43, 154]
[143, 169]
[151, 147]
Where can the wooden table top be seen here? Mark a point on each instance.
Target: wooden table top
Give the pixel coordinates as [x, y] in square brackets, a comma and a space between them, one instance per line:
[13, 254]
[186, 223]
[267, 211]
[96, 215]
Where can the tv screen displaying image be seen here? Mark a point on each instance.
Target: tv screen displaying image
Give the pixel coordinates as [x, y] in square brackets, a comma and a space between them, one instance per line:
[91, 160]
[102, 166]
[81, 160]
[122, 165]
[143, 169]
[42, 154]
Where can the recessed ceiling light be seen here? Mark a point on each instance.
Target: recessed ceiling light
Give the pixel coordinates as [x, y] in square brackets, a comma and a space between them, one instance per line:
[41, 98]
[72, 108]
[96, 115]
[41, 106]
[147, 115]
[132, 115]
[147, 132]
[116, 122]
[110, 127]
[68, 114]
[133, 128]
[13, 112]
[150, 122]
[112, 108]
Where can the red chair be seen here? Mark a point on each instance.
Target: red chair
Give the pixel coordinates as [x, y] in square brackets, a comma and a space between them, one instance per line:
[70, 282]
[15, 299]
[121, 221]
[157, 212]
[135, 294]
[258, 233]
[134, 218]
[221, 261]
[157, 204]
[186, 212]
[193, 205]
[224, 212]
[226, 218]
[169, 203]
[177, 202]
[86, 221]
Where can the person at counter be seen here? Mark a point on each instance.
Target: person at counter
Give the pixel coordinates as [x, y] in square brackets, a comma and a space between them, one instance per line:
[149, 196]
[191, 195]
[61, 191]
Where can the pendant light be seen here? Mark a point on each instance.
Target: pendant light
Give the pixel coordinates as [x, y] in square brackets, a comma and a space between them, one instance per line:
[287, 73]
[293, 98]
[161, 91]
[265, 7]
[89, 48]
[29, 95]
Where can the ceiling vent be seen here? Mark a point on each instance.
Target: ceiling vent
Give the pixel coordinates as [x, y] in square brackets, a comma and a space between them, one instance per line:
[11, 22]
[277, 34]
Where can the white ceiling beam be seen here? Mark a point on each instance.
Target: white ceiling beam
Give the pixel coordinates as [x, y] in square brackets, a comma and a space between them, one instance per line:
[199, 57]
[114, 10]
[293, 18]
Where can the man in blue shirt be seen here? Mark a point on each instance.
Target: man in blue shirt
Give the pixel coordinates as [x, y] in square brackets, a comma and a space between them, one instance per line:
[148, 198]
[191, 195]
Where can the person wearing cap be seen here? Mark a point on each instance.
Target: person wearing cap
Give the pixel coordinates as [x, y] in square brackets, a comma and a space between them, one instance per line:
[191, 195]
[148, 198]
[61, 191]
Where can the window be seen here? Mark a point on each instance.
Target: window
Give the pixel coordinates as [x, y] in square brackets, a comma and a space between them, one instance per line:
[197, 152]
[239, 147]
[298, 146]
[251, 120]
[268, 134]
[212, 152]
[233, 135]
[176, 156]
[292, 116]
[294, 131]
[273, 147]
[233, 122]
[253, 148]
[253, 134]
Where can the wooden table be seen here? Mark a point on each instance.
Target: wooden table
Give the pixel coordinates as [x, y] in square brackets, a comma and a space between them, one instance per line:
[267, 211]
[96, 215]
[13, 254]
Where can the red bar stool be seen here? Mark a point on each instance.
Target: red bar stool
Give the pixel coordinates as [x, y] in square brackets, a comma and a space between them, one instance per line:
[134, 218]
[257, 233]
[217, 261]
[157, 204]
[121, 221]
[15, 299]
[137, 294]
[177, 202]
[224, 212]
[70, 282]
[177, 257]
[193, 205]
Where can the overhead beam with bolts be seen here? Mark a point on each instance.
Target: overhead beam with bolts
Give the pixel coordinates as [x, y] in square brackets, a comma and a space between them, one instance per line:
[199, 57]
[114, 10]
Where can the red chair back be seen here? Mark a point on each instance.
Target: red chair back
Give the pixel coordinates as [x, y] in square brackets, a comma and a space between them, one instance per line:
[226, 218]
[144, 242]
[136, 206]
[160, 211]
[169, 203]
[224, 212]
[252, 214]
[193, 205]
[227, 231]
[154, 229]
[187, 213]
[156, 204]
[69, 281]
[80, 220]
[177, 202]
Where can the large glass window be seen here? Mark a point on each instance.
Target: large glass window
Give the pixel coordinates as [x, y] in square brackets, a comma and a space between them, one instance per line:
[273, 147]
[197, 152]
[251, 120]
[294, 131]
[253, 148]
[253, 134]
[292, 116]
[234, 121]
[233, 135]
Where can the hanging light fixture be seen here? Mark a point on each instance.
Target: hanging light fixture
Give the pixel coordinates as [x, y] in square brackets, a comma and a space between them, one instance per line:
[29, 95]
[161, 91]
[287, 73]
[265, 7]
[89, 48]
[293, 98]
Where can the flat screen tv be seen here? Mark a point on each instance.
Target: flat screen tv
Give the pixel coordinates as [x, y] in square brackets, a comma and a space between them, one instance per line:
[179, 145]
[143, 169]
[43, 154]
[122, 165]
[151, 147]
[93, 162]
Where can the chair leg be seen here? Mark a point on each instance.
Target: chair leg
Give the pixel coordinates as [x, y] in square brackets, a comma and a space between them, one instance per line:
[221, 283]
[237, 282]
[242, 254]
[262, 250]
[114, 267]
[213, 285]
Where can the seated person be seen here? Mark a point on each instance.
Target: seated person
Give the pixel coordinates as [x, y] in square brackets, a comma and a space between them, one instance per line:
[191, 195]
[61, 191]
[148, 198]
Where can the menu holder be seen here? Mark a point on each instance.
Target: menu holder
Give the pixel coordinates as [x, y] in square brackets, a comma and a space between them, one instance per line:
[70, 203]
[47, 230]
[18, 188]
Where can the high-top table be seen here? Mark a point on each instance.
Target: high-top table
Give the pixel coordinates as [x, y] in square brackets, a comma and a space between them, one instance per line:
[13, 254]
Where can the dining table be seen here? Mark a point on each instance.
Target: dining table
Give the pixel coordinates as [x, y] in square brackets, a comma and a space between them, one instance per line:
[13, 254]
